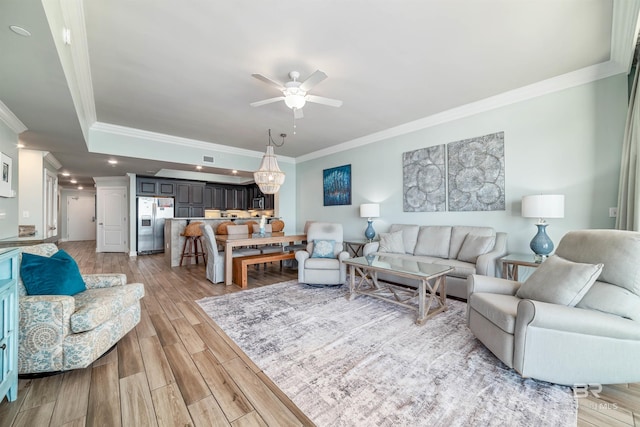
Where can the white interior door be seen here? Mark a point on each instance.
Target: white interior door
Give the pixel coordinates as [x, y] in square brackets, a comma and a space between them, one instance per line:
[81, 218]
[112, 219]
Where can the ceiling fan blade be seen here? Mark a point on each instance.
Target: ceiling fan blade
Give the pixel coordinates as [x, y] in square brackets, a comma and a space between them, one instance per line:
[324, 101]
[267, 101]
[313, 80]
[269, 81]
[297, 113]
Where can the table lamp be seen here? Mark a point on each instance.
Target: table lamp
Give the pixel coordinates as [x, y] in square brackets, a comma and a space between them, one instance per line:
[542, 206]
[370, 210]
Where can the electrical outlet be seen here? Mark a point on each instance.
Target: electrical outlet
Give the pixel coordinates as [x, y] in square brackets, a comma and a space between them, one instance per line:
[25, 214]
[613, 212]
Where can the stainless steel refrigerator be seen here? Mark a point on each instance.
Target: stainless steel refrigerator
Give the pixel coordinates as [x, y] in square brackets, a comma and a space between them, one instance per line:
[152, 212]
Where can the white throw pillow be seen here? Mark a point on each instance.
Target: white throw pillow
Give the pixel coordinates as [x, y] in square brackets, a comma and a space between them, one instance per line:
[474, 246]
[560, 281]
[391, 243]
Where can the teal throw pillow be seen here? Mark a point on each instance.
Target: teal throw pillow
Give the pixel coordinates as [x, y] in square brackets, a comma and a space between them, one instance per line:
[323, 249]
[54, 275]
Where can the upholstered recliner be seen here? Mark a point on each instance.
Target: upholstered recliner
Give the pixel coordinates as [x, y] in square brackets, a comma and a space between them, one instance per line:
[321, 263]
[60, 332]
[595, 341]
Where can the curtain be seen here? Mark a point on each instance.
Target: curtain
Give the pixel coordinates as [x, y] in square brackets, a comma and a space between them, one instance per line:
[628, 199]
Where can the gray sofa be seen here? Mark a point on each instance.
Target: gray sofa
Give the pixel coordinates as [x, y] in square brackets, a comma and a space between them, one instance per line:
[469, 250]
[562, 333]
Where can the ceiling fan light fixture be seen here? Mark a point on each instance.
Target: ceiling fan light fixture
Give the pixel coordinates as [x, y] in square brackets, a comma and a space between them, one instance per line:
[295, 101]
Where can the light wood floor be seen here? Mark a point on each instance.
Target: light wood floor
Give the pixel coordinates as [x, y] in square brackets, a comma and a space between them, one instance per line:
[177, 368]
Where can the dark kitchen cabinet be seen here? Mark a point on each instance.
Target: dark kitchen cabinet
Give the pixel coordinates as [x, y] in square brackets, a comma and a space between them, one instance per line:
[190, 199]
[253, 192]
[236, 197]
[147, 186]
[166, 188]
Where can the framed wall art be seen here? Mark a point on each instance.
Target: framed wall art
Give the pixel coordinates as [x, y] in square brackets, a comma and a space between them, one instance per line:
[336, 184]
[6, 170]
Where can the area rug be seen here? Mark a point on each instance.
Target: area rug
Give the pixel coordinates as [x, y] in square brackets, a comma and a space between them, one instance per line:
[365, 363]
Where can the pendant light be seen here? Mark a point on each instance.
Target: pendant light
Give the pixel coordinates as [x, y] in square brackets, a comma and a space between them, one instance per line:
[269, 177]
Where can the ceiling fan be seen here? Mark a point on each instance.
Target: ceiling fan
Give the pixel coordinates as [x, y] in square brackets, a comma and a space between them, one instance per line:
[294, 93]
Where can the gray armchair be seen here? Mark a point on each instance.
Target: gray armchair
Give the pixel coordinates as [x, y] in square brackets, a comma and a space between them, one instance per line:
[595, 341]
[321, 262]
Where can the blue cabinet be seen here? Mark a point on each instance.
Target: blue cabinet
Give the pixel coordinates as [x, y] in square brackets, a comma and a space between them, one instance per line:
[9, 323]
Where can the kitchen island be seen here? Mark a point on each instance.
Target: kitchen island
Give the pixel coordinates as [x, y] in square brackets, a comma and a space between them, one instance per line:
[173, 241]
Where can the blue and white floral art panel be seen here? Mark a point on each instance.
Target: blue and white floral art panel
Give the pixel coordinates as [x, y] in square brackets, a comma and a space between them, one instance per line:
[423, 179]
[476, 173]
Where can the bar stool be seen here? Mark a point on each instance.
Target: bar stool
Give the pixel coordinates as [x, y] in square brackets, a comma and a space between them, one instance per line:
[192, 238]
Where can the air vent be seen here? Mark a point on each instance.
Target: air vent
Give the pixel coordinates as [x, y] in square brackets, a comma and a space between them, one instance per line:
[207, 159]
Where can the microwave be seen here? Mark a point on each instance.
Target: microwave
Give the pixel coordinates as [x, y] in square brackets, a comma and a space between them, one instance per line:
[258, 203]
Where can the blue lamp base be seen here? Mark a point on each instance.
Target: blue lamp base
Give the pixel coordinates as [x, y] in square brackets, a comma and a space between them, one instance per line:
[541, 244]
[370, 233]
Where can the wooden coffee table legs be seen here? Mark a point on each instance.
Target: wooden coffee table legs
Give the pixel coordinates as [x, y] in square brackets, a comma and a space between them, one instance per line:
[364, 281]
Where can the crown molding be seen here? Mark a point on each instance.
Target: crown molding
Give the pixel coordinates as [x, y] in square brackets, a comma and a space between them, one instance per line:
[178, 141]
[49, 158]
[10, 119]
[74, 57]
[555, 84]
[624, 32]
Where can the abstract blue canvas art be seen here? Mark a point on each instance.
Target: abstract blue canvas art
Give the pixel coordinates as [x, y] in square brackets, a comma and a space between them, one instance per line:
[336, 184]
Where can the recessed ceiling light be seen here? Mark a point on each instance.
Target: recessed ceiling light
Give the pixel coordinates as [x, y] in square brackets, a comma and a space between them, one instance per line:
[73, 181]
[234, 171]
[112, 162]
[66, 174]
[20, 145]
[20, 31]
[199, 167]
[80, 187]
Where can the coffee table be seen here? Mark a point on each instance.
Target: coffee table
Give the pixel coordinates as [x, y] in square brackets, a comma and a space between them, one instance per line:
[431, 282]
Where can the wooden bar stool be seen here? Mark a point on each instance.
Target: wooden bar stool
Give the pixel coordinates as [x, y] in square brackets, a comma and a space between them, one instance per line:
[192, 239]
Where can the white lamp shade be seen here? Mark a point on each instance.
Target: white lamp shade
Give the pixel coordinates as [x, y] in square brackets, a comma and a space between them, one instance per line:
[543, 206]
[370, 210]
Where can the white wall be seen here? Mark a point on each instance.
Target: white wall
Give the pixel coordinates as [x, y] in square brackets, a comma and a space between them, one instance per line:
[9, 205]
[31, 190]
[567, 142]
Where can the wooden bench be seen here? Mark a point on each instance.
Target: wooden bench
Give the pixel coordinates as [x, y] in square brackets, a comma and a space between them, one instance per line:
[241, 263]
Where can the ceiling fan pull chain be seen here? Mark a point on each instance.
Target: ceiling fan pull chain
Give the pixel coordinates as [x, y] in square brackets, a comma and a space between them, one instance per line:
[294, 121]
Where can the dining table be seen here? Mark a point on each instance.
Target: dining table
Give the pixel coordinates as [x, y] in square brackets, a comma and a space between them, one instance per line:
[252, 239]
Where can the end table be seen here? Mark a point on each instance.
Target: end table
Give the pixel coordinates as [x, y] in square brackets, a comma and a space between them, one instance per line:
[355, 246]
[510, 264]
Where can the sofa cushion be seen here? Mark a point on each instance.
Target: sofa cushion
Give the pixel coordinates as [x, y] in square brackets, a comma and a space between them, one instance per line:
[501, 310]
[409, 235]
[392, 242]
[474, 246]
[459, 234]
[560, 281]
[96, 306]
[54, 275]
[461, 269]
[433, 241]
